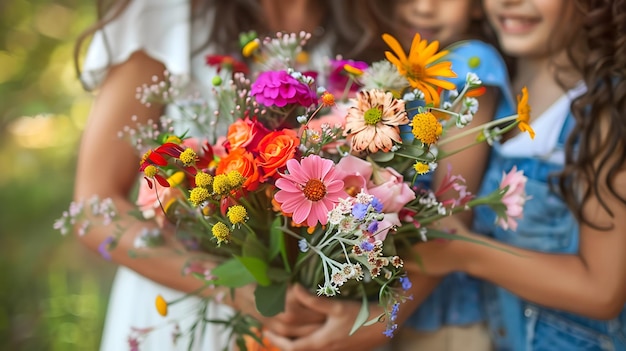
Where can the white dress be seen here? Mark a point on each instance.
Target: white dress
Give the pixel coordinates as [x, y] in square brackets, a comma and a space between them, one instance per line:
[163, 30]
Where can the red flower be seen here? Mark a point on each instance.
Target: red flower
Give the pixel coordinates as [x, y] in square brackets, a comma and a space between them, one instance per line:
[228, 62]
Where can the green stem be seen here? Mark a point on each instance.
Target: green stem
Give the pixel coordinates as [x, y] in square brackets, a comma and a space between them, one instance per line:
[477, 129]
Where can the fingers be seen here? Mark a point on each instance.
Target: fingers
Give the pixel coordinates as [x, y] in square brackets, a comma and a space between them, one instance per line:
[318, 304]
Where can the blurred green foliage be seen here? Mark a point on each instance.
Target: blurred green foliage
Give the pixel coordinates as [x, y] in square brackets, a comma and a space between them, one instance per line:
[54, 293]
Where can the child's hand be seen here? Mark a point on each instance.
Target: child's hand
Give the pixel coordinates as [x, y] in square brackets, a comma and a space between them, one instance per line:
[296, 321]
[334, 333]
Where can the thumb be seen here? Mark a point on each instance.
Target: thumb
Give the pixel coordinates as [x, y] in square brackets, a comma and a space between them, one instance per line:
[315, 303]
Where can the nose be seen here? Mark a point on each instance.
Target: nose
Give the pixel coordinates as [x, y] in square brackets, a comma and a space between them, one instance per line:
[424, 7]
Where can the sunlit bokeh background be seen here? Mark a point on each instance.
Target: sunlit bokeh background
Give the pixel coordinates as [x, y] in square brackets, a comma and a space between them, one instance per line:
[53, 294]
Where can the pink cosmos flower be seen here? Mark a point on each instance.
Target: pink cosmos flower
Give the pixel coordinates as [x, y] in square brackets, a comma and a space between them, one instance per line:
[309, 190]
[514, 198]
[279, 88]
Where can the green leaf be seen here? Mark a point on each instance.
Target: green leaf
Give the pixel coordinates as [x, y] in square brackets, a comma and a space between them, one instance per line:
[277, 239]
[232, 273]
[382, 156]
[270, 300]
[361, 318]
[256, 267]
[252, 247]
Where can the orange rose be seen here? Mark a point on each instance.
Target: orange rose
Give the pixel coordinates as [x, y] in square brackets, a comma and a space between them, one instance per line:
[275, 149]
[244, 132]
[244, 162]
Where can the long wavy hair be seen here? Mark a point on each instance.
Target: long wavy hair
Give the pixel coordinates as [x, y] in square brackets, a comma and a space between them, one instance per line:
[357, 25]
[595, 154]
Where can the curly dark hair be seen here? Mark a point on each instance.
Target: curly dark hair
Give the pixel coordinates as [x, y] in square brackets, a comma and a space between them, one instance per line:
[356, 24]
[596, 148]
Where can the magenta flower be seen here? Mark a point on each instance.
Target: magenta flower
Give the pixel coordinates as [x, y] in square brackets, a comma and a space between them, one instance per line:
[514, 198]
[338, 77]
[309, 190]
[279, 88]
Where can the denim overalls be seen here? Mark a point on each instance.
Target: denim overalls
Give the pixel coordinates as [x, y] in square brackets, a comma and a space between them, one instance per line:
[456, 300]
[547, 226]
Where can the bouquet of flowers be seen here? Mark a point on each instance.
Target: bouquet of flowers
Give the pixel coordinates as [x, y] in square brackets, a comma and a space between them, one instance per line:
[314, 181]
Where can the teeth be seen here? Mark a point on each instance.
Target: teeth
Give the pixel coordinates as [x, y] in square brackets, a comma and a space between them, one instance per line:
[516, 23]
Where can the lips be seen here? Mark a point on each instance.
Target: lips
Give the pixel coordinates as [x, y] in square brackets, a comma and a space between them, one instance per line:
[517, 25]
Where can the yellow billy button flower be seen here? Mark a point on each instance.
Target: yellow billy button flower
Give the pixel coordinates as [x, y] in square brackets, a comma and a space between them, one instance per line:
[426, 127]
[421, 168]
[204, 180]
[221, 184]
[188, 157]
[237, 214]
[221, 232]
[235, 179]
[523, 113]
[198, 195]
[150, 171]
[161, 305]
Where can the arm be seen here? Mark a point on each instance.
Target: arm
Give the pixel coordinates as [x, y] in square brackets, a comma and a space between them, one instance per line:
[469, 163]
[592, 283]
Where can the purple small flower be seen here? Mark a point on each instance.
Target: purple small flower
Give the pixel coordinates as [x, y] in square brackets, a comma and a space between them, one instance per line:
[377, 205]
[279, 88]
[406, 283]
[389, 331]
[373, 227]
[104, 247]
[367, 246]
[359, 211]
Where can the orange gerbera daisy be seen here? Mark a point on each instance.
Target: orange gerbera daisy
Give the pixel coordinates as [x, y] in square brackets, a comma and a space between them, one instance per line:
[421, 67]
[373, 122]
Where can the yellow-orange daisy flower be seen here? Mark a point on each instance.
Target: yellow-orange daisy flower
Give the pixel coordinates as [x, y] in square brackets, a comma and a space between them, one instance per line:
[421, 67]
[373, 123]
[523, 113]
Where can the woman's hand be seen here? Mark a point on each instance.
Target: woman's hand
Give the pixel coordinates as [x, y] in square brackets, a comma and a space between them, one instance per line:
[333, 334]
[296, 321]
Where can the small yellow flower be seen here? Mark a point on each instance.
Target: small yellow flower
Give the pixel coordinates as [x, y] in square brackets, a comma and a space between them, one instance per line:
[161, 305]
[235, 179]
[250, 48]
[198, 195]
[204, 180]
[328, 99]
[176, 179]
[188, 157]
[426, 127]
[353, 70]
[421, 168]
[150, 171]
[221, 232]
[523, 113]
[237, 214]
[173, 139]
[221, 184]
